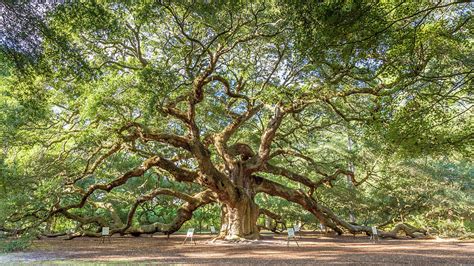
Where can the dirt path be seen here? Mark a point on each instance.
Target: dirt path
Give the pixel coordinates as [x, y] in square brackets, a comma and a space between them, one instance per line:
[271, 250]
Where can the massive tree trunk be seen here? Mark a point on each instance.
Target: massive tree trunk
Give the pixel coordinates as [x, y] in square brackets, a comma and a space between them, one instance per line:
[239, 220]
[239, 214]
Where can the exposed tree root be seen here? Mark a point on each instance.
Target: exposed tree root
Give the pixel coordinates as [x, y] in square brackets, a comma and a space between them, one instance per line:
[236, 239]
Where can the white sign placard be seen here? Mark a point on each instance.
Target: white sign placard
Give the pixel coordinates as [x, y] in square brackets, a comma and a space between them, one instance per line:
[291, 232]
[322, 227]
[105, 231]
[190, 232]
[374, 230]
[297, 227]
[213, 230]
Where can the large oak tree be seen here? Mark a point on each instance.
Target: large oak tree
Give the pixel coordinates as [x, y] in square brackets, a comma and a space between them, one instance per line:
[234, 99]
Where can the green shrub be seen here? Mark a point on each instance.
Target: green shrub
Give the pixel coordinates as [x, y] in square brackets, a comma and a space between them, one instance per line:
[15, 244]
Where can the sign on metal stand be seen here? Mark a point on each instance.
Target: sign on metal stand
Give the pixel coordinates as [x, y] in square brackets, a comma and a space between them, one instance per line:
[213, 230]
[105, 233]
[375, 235]
[190, 235]
[323, 228]
[291, 235]
[297, 229]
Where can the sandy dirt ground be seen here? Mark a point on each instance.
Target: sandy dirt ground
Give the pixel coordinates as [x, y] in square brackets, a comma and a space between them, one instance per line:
[270, 250]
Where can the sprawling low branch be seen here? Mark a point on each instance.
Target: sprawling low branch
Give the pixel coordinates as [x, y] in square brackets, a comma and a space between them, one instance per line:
[150, 196]
[138, 171]
[184, 214]
[297, 196]
[324, 214]
[83, 220]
